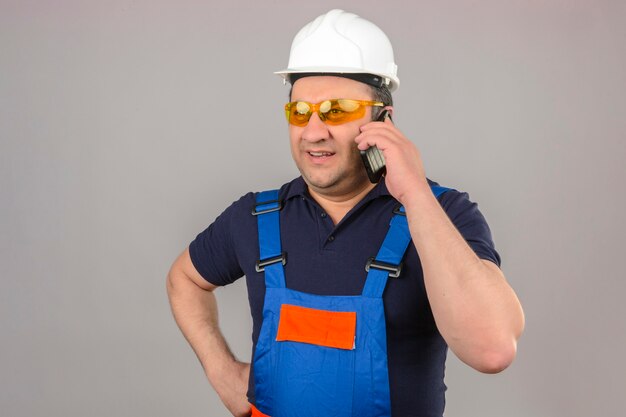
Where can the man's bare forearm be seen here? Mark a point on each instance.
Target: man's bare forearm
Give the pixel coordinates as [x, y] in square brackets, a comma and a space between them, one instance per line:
[475, 309]
[195, 311]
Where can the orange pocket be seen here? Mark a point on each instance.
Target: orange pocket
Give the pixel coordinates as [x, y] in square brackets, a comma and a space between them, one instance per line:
[256, 412]
[319, 327]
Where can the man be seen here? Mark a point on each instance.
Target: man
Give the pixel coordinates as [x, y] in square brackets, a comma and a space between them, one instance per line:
[331, 339]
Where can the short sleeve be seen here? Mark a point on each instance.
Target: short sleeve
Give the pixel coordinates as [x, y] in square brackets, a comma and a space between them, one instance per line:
[470, 222]
[213, 252]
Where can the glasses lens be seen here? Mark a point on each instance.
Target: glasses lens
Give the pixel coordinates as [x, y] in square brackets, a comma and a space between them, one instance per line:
[343, 111]
[348, 105]
[298, 113]
[303, 107]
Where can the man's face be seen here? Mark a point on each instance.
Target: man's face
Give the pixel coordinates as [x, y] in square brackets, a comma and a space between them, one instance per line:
[327, 156]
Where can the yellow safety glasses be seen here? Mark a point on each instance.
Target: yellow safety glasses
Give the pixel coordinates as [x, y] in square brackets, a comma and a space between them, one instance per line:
[332, 112]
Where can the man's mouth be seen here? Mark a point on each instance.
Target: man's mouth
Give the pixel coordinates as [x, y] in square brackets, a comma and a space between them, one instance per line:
[320, 154]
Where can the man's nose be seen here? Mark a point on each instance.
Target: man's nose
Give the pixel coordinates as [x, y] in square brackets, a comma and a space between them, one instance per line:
[315, 130]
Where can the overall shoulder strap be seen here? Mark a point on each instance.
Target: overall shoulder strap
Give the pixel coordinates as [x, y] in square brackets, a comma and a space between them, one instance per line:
[272, 258]
[388, 261]
[438, 190]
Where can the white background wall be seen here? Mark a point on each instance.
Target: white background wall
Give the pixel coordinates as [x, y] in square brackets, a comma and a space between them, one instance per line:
[121, 138]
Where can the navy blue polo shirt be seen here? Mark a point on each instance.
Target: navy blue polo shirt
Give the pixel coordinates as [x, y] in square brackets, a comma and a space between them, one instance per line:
[328, 259]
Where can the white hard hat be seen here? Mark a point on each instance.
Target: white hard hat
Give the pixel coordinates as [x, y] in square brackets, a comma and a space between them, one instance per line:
[339, 42]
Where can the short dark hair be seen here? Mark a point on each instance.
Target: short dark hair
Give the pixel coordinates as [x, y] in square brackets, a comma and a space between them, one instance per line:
[381, 94]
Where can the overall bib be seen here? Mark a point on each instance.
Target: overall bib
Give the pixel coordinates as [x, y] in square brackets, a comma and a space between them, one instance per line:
[323, 356]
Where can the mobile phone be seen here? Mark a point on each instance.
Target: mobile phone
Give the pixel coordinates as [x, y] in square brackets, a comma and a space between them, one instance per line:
[373, 158]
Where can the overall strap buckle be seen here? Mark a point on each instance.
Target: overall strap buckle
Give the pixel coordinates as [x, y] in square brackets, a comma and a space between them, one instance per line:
[262, 263]
[393, 270]
[399, 210]
[276, 205]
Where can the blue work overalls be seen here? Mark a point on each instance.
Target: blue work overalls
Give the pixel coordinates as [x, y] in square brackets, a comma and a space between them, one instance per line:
[323, 356]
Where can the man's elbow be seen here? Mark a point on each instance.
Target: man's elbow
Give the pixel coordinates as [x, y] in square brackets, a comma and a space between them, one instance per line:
[493, 361]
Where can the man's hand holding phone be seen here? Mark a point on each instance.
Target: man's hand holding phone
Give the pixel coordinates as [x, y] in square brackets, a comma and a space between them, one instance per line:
[403, 168]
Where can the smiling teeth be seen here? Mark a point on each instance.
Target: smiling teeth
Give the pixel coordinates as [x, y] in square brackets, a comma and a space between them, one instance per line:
[320, 153]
